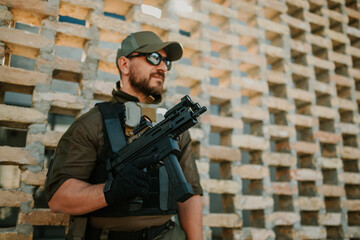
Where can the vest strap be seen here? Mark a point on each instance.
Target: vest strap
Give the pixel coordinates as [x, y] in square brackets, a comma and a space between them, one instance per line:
[111, 114]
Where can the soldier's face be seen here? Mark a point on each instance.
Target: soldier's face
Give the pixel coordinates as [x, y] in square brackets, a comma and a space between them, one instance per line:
[147, 78]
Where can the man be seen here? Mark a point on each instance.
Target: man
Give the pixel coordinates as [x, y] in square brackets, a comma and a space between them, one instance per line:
[143, 61]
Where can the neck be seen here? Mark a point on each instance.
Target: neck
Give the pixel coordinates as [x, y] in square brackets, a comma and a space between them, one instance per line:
[129, 90]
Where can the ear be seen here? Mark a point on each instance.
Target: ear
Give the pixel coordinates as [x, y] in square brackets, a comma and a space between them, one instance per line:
[124, 65]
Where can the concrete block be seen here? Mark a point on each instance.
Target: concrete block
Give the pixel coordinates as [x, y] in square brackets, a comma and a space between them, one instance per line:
[344, 104]
[324, 112]
[33, 178]
[318, 40]
[349, 178]
[220, 95]
[330, 219]
[5, 15]
[330, 163]
[36, 6]
[316, 19]
[354, 51]
[272, 51]
[323, 88]
[283, 218]
[222, 220]
[26, 39]
[353, 232]
[250, 112]
[65, 64]
[335, 15]
[71, 29]
[279, 159]
[305, 147]
[220, 153]
[299, 3]
[221, 124]
[299, 46]
[44, 217]
[311, 233]
[303, 174]
[255, 234]
[303, 120]
[299, 94]
[193, 44]
[112, 24]
[272, 26]
[340, 58]
[341, 80]
[348, 152]
[250, 142]
[191, 72]
[277, 131]
[13, 198]
[309, 203]
[250, 87]
[302, 70]
[164, 23]
[218, 9]
[337, 36]
[220, 186]
[250, 171]
[273, 4]
[203, 167]
[15, 76]
[353, 31]
[252, 202]
[103, 54]
[321, 63]
[244, 30]
[327, 137]
[279, 104]
[219, 63]
[331, 190]
[352, 205]
[283, 188]
[13, 116]
[296, 23]
[276, 77]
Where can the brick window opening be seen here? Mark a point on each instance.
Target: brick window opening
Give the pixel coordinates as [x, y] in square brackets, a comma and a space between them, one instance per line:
[307, 188]
[49, 232]
[283, 203]
[9, 216]
[280, 145]
[283, 232]
[353, 218]
[253, 218]
[352, 191]
[320, 52]
[279, 174]
[328, 150]
[350, 165]
[302, 107]
[332, 204]
[252, 187]
[253, 127]
[40, 200]
[334, 232]
[12, 137]
[323, 99]
[306, 161]
[277, 90]
[278, 117]
[346, 116]
[349, 140]
[59, 122]
[330, 176]
[309, 218]
[341, 69]
[304, 134]
[322, 74]
[300, 82]
[326, 125]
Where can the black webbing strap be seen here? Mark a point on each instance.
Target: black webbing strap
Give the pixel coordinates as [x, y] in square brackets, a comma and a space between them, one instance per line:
[112, 114]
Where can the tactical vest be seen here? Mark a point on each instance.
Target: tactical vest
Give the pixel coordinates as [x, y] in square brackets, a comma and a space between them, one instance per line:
[160, 200]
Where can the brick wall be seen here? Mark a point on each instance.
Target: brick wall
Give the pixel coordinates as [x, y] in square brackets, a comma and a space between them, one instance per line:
[278, 149]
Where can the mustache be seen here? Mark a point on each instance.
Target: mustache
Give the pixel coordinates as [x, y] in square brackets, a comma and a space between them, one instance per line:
[158, 74]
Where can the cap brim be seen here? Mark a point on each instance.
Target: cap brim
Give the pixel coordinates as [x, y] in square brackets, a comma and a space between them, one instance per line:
[174, 50]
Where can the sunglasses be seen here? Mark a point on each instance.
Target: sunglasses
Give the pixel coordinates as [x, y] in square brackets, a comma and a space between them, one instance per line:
[154, 59]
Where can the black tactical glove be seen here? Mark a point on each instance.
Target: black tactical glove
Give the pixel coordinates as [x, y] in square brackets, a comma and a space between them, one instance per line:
[131, 181]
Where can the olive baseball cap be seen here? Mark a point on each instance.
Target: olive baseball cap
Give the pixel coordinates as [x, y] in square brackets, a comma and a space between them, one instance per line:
[148, 42]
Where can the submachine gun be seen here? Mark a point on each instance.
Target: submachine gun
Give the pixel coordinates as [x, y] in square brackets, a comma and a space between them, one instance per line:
[160, 142]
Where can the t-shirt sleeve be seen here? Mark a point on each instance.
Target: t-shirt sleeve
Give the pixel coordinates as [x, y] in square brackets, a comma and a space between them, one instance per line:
[76, 153]
[187, 163]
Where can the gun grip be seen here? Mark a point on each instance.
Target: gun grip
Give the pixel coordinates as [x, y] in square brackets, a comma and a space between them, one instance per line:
[182, 190]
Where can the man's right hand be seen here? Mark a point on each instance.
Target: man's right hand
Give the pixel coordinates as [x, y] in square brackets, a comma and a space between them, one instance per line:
[131, 181]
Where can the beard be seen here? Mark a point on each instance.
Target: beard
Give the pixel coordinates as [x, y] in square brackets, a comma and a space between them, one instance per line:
[142, 84]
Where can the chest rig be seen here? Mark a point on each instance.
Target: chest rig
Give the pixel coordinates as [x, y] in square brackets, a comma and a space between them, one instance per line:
[118, 121]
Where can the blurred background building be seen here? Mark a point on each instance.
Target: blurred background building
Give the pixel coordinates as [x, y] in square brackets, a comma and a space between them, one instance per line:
[278, 150]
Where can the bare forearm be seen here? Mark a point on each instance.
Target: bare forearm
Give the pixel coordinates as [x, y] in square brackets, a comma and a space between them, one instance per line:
[190, 216]
[76, 197]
